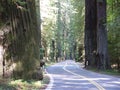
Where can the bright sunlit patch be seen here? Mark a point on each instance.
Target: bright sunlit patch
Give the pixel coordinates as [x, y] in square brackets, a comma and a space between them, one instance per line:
[45, 9]
[73, 83]
[37, 83]
[16, 81]
[109, 85]
[98, 78]
[115, 82]
[25, 85]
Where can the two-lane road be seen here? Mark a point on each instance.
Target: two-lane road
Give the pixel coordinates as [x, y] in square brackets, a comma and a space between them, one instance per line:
[68, 75]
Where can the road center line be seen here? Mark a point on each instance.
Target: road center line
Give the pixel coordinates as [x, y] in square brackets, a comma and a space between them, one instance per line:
[91, 81]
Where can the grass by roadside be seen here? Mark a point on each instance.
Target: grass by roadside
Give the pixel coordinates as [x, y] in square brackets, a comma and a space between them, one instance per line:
[20, 84]
[49, 63]
[111, 72]
[10, 84]
[107, 72]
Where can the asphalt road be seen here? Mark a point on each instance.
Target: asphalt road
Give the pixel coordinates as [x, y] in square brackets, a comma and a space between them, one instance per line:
[68, 75]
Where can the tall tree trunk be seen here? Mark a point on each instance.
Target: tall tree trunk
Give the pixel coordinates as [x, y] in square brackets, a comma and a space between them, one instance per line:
[90, 31]
[38, 15]
[59, 30]
[102, 49]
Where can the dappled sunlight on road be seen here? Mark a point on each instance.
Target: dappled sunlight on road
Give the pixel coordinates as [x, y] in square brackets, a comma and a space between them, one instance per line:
[91, 79]
[115, 82]
[68, 75]
[70, 82]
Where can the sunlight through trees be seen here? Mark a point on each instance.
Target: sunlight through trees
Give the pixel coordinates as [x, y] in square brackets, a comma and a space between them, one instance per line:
[54, 30]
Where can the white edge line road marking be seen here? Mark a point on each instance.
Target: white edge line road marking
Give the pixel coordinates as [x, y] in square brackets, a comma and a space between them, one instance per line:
[91, 81]
[50, 85]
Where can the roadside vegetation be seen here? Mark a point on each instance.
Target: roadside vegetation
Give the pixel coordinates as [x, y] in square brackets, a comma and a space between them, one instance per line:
[20, 84]
[56, 30]
[113, 72]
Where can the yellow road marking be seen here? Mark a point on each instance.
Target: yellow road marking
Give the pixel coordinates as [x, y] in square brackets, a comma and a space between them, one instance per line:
[91, 81]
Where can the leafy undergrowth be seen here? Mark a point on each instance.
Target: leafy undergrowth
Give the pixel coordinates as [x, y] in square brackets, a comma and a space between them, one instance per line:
[112, 72]
[10, 84]
[20, 84]
[49, 63]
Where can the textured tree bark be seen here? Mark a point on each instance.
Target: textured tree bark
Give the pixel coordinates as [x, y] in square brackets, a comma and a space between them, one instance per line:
[90, 32]
[24, 37]
[102, 49]
[22, 42]
[53, 49]
[1, 57]
[58, 54]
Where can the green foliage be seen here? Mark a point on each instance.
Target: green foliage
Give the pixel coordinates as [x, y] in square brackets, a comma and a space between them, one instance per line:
[20, 2]
[42, 53]
[64, 25]
[78, 19]
[114, 32]
[3, 13]
[1, 8]
[11, 84]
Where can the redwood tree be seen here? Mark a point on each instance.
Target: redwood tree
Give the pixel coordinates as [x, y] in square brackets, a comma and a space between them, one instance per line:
[96, 52]
[102, 50]
[90, 31]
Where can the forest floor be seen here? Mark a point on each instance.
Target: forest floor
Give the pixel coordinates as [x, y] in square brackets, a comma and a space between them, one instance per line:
[10, 84]
[112, 72]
